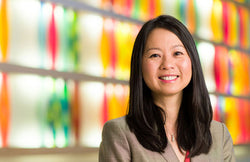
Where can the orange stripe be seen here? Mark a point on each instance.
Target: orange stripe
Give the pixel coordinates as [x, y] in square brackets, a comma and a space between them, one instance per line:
[4, 110]
[191, 16]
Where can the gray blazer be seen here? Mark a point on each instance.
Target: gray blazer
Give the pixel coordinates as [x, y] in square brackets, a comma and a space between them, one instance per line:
[119, 144]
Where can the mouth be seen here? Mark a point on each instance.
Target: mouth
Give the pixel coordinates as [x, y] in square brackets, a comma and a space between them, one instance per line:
[168, 78]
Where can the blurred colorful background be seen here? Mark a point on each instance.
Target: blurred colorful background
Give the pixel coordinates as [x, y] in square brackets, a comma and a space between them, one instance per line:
[65, 66]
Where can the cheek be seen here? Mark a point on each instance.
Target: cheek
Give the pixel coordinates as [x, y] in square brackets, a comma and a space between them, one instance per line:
[145, 68]
[148, 71]
[187, 66]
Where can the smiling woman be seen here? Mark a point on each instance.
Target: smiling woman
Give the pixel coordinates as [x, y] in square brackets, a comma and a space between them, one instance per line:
[170, 114]
[166, 70]
[166, 66]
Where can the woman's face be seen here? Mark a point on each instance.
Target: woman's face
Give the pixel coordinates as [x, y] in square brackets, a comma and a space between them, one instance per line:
[166, 66]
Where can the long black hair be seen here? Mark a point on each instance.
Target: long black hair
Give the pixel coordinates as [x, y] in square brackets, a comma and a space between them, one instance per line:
[146, 119]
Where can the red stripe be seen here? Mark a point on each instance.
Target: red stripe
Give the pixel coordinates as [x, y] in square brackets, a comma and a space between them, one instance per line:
[187, 159]
[52, 36]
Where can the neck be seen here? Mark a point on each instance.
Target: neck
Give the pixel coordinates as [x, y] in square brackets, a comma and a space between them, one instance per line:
[171, 106]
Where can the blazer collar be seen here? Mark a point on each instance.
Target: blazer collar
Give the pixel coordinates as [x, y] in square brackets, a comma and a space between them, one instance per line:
[169, 154]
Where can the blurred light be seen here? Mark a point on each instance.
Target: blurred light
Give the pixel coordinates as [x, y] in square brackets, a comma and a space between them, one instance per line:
[171, 8]
[71, 15]
[32, 81]
[94, 89]
[58, 12]
[213, 100]
[207, 53]
[25, 91]
[217, 7]
[60, 140]
[1, 140]
[23, 22]
[90, 36]
[96, 3]
[47, 10]
[92, 23]
[110, 89]
[48, 139]
[124, 28]
[216, 21]
[1, 80]
[48, 81]
[93, 138]
[27, 137]
[108, 24]
[204, 6]
[59, 85]
[119, 90]
[204, 14]
[92, 101]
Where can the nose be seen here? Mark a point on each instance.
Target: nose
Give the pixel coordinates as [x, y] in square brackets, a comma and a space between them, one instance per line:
[167, 63]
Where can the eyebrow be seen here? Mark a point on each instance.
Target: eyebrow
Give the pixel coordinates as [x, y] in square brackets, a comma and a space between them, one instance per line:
[154, 48]
[178, 45]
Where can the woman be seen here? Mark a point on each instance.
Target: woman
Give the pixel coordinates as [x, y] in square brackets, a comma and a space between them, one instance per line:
[170, 114]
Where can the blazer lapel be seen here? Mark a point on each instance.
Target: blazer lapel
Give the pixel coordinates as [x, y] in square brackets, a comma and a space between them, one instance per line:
[201, 157]
[169, 154]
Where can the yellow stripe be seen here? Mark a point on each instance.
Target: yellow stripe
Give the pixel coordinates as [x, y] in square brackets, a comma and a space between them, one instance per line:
[4, 30]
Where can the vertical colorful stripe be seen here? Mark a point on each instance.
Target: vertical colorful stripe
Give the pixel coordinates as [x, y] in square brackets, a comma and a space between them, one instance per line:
[183, 8]
[234, 112]
[244, 27]
[233, 25]
[225, 18]
[136, 9]
[4, 110]
[105, 105]
[113, 48]
[65, 116]
[217, 21]
[221, 67]
[105, 47]
[4, 93]
[75, 112]
[117, 101]
[4, 30]
[128, 7]
[72, 37]
[239, 65]
[191, 16]
[52, 38]
[42, 36]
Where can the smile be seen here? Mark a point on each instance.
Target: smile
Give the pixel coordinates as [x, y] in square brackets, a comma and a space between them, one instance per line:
[168, 78]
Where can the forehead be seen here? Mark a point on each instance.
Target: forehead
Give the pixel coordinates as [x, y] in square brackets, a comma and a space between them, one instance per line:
[160, 34]
[160, 37]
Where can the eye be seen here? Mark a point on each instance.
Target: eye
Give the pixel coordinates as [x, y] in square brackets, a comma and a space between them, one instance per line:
[177, 53]
[154, 55]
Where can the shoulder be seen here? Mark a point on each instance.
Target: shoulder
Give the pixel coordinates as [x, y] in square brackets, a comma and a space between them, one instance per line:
[215, 125]
[114, 145]
[222, 141]
[115, 127]
[219, 129]
[119, 121]
[116, 123]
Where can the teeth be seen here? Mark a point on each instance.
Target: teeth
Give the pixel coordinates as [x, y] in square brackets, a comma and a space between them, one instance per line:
[168, 77]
